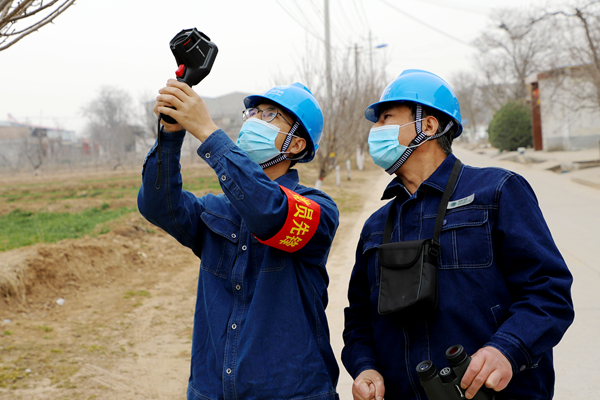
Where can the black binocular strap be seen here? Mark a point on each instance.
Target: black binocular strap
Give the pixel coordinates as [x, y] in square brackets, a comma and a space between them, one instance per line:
[439, 221]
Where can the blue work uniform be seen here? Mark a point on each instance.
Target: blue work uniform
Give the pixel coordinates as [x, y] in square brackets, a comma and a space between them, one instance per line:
[260, 330]
[502, 283]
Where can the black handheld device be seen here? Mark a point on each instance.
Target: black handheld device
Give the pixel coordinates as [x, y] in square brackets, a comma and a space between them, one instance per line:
[195, 55]
[445, 384]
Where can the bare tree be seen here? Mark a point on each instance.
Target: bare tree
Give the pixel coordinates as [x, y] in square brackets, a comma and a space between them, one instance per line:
[148, 120]
[353, 90]
[474, 114]
[111, 124]
[510, 51]
[579, 24]
[35, 148]
[19, 18]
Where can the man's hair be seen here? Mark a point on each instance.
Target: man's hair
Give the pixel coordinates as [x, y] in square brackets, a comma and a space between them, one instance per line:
[444, 141]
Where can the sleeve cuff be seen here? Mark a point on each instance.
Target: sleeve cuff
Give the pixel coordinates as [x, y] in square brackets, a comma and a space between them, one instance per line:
[171, 140]
[512, 348]
[363, 365]
[214, 147]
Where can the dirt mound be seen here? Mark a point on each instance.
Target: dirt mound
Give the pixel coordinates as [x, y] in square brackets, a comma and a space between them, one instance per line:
[36, 273]
[123, 331]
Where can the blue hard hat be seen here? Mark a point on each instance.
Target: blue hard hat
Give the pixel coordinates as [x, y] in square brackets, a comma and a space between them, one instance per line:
[300, 102]
[419, 87]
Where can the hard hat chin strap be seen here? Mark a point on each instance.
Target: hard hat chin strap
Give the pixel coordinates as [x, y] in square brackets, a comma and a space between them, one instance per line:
[417, 141]
[286, 144]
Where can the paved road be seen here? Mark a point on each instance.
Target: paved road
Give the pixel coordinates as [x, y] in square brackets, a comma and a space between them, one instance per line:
[572, 212]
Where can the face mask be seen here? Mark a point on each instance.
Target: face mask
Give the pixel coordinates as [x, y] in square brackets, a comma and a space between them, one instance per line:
[384, 147]
[257, 139]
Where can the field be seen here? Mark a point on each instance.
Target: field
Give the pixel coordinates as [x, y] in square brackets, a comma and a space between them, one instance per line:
[124, 329]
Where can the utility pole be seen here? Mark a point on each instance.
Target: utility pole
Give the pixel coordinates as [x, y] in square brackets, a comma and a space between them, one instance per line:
[356, 65]
[371, 57]
[328, 55]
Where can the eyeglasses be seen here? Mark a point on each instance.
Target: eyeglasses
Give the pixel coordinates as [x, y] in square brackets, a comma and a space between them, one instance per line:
[268, 114]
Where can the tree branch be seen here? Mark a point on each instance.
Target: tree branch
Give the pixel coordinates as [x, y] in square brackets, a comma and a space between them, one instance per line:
[20, 12]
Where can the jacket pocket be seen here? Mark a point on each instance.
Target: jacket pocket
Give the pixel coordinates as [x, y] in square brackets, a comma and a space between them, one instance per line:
[498, 315]
[466, 239]
[266, 258]
[220, 244]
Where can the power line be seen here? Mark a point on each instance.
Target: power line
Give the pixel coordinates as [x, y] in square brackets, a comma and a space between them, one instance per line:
[317, 9]
[352, 22]
[425, 24]
[307, 25]
[298, 22]
[362, 16]
[306, 19]
[336, 32]
[455, 6]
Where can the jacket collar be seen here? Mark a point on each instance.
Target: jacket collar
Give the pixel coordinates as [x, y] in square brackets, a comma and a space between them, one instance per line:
[289, 180]
[437, 181]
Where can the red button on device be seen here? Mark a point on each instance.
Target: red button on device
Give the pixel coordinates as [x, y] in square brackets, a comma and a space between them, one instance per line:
[180, 70]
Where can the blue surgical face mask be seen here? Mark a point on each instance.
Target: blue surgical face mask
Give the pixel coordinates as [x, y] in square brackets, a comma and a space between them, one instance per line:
[257, 139]
[384, 147]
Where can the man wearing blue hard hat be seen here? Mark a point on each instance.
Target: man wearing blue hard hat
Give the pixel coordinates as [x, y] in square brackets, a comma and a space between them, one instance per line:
[459, 255]
[260, 329]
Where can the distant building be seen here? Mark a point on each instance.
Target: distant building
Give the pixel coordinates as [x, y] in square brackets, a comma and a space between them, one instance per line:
[22, 144]
[226, 112]
[565, 114]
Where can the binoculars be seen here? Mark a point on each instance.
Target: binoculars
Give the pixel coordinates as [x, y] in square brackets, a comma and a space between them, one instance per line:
[445, 384]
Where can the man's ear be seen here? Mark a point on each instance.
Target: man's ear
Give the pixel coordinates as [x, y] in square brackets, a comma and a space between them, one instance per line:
[298, 144]
[430, 126]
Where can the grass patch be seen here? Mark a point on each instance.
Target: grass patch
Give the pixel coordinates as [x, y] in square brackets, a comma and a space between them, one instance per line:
[9, 376]
[24, 228]
[140, 293]
[201, 184]
[34, 361]
[110, 188]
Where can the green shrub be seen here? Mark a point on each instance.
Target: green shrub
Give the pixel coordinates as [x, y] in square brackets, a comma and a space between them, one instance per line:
[511, 127]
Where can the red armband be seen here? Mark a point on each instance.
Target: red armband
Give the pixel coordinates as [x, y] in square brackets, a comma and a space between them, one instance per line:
[300, 226]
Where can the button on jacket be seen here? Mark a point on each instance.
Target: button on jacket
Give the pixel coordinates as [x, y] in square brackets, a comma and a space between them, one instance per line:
[260, 330]
[502, 283]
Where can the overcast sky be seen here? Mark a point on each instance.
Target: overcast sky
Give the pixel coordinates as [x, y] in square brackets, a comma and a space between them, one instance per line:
[48, 77]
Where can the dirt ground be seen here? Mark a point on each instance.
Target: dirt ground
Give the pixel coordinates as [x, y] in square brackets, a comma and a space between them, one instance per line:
[124, 329]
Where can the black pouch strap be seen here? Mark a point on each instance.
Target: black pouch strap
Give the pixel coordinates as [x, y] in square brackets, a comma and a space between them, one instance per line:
[439, 221]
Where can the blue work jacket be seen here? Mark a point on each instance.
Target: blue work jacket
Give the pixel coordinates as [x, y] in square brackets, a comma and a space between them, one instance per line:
[260, 330]
[502, 283]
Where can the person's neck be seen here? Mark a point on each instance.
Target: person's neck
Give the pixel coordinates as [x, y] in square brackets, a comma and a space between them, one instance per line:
[422, 163]
[277, 170]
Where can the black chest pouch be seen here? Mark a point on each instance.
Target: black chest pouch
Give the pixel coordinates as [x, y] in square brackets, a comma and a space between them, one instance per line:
[409, 270]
